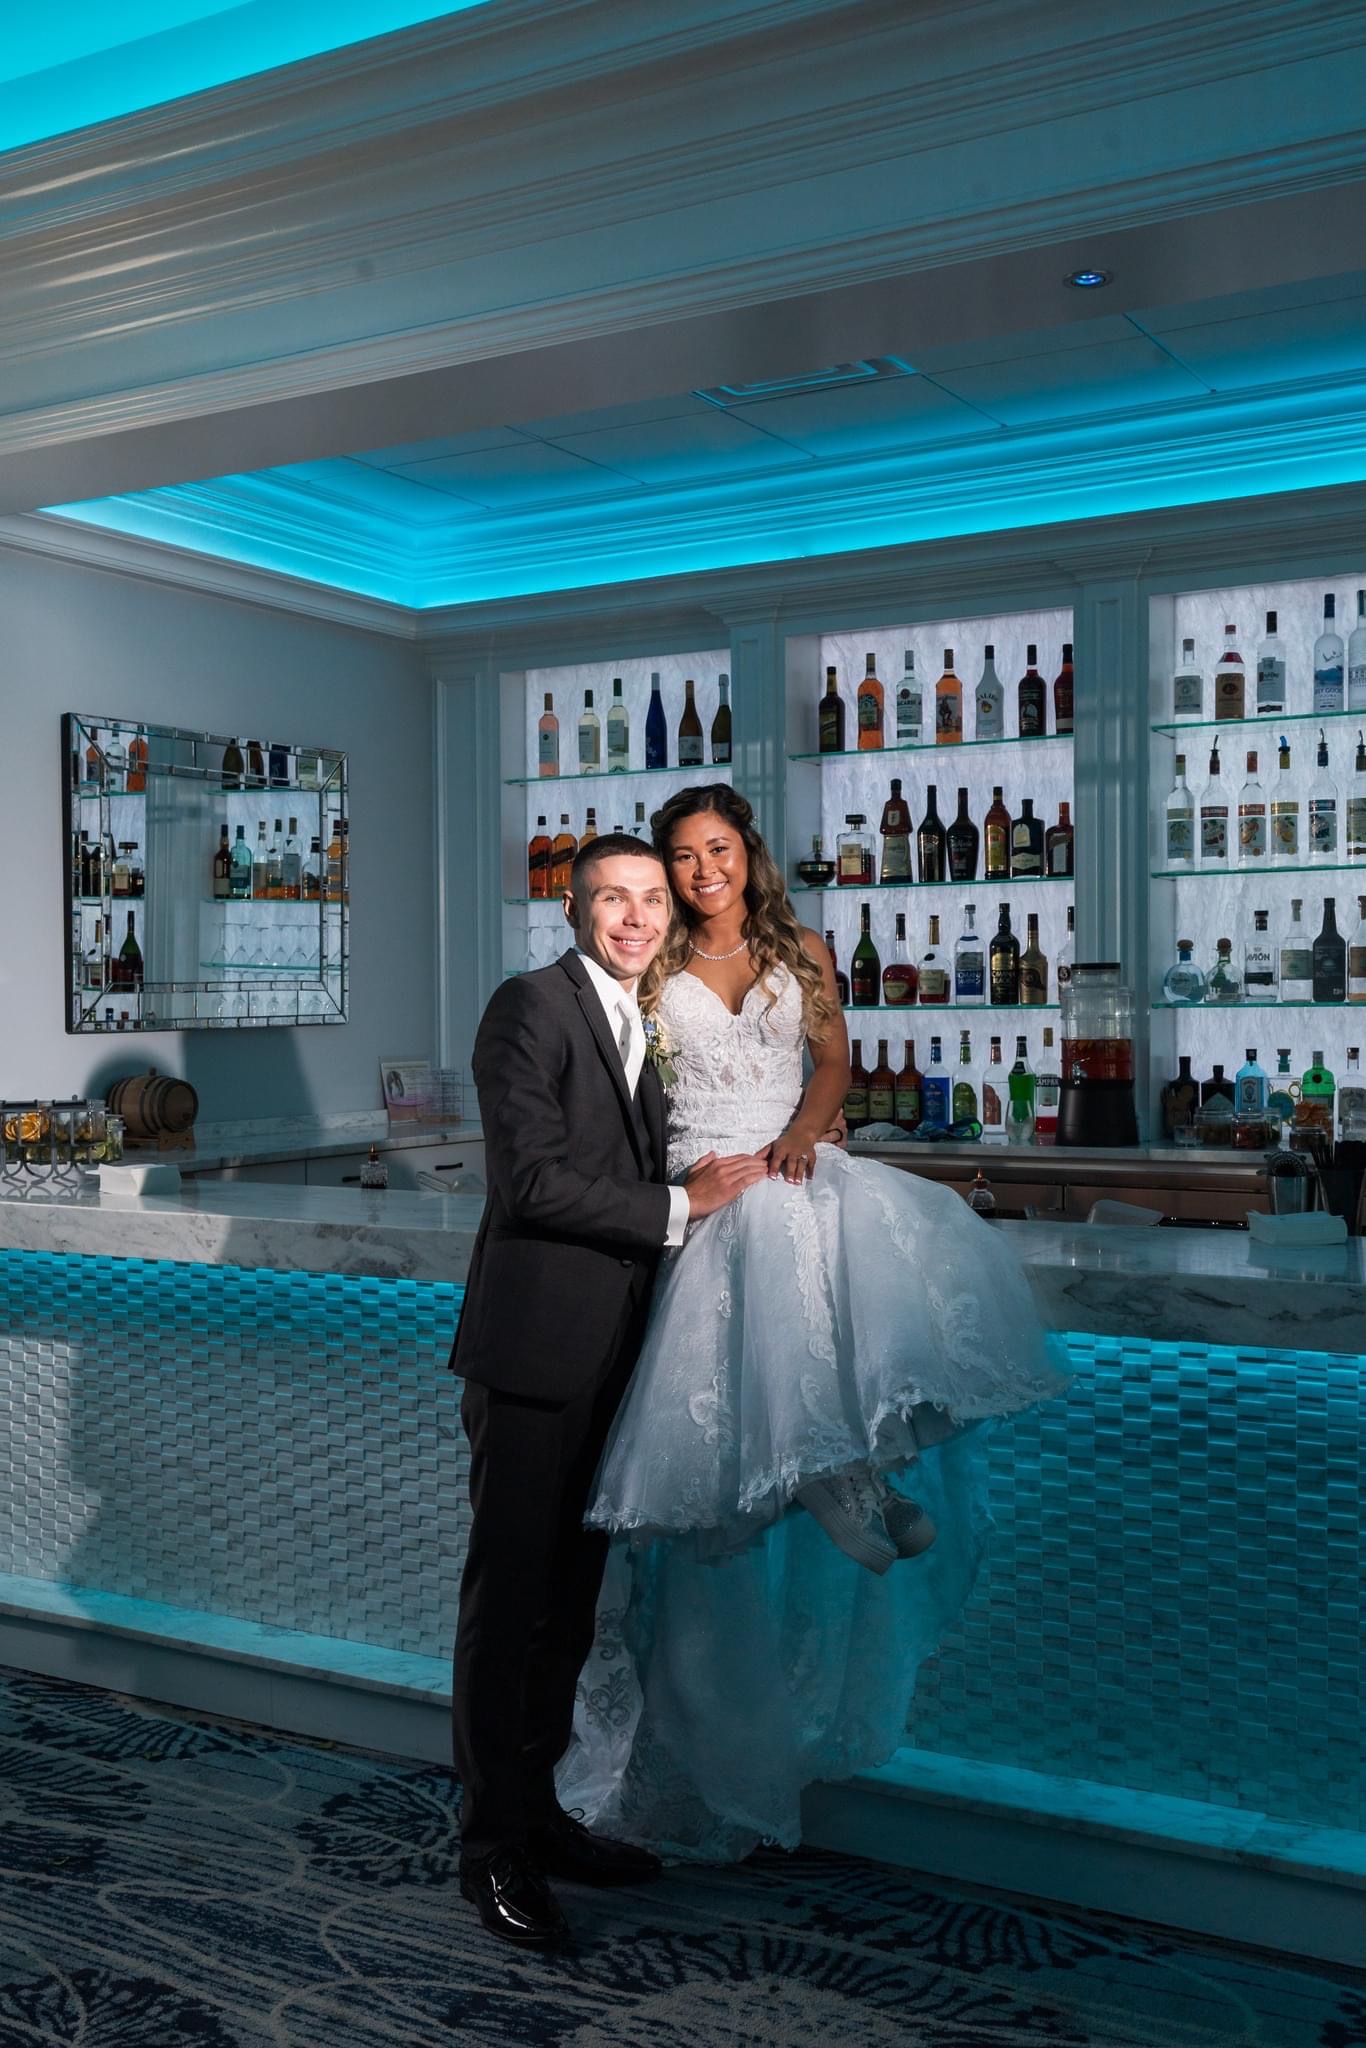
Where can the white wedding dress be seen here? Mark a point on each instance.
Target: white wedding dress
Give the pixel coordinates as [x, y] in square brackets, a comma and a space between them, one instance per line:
[867, 1315]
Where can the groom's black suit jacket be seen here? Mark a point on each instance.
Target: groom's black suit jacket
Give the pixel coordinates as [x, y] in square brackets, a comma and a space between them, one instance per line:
[577, 1207]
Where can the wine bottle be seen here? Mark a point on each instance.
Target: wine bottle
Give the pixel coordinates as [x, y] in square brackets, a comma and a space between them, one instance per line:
[990, 700]
[906, 1101]
[963, 840]
[1005, 963]
[1188, 685]
[720, 725]
[896, 837]
[934, 972]
[618, 732]
[1059, 848]
[548, 739]
[871, 706]
[1062, 692]
[690, 753]
[948, 705]
[1328, 661]
[1252, 819]
[900, 980]
[538, 862]
[830, 712]
[1270, 670]
[563, 847]
[996, 828]
[1230, 678]
[865, 968]
[656, 728]
[222, 866]
[1329, 959]
[234, 767]
[1285, 811]
[856, 1100]
[882, 1089]
[590, 737]
[127, 971]
[1030, 698]
[909, 706]
[841, 978]
[1323, 810]
[969, 961]
[1026, 844]
[1033, 965]
[929, 841]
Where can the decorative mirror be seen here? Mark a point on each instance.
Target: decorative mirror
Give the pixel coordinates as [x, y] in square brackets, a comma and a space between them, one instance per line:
[207, 879]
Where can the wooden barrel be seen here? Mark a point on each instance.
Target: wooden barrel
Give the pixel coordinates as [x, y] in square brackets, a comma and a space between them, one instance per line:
[153, 1106]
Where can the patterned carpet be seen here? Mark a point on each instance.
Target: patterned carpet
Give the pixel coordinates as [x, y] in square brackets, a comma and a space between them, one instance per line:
[170, 1880]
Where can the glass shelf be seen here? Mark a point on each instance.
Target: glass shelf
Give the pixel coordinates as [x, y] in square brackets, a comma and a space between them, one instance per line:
[852, 889]
[1294, 1003]
[715, 771]
[1267, 721]
[932, 1009]
[272, 902]
[948, 748]
[1261, 874]
[230, 967]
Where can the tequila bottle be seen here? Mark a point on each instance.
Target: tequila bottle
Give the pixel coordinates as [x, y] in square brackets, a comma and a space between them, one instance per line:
[1259, 963]
[1223, 983]
[1323, 809]
[990, 699]
[969, 961]
[1183, 983]
[910, 715]
[1285, 812]
[1296, 959]
[1180, 820]
[1328, 661]
[1270, 670]
[1188, 685]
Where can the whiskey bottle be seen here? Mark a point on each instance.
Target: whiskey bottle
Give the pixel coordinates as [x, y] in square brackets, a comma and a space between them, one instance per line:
[234, 766]
[830, 713]
[1062, 692]
[841, 978]
[1030, 699]
[1356, 957]
[137, 874]
[896, 837]
[275, 865]
[1230, 679]
[656, 728]
[1330, 959]
[222, 866]
[1214, 817]
[1026, 844]
[900, 981]
[990, 723]
[929, 841]
[1251, 819]
[1328, 661]
[936, 1089]
[1259, 963]
[562, 850]
[127, 968]
[1270, 671]
[1285, 811]
[1059, 848]
[1296, 959]
[590, 737]
[260, 865]
[538, 862]
[590, 826]
[969, 961]
[1047, 1092]
[882, 1089]
[909, 706]
[993, 1093]
[1005, 963]
[948, 705]
[293, 864]
[934, 972]
[1323, 810]
[118, 876]
[906, 1100]
[996, 829]
[256, 765]
[1180, 1098]
[854, 854]
[690, 754]
[1033, 965]
[548, 739]
[865, 968]
[964, 1086]
[618, 732]
[856, 1101]
[1188, 685]
[963, 841]
[1180, 821]
[871, 705]
[720, 725]
[241, 867]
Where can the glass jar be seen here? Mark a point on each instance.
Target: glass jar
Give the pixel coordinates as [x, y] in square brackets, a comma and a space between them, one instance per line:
[113, 1137]
[1097, 1024]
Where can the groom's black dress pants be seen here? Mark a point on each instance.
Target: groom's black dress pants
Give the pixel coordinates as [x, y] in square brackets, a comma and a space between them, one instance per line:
[529, 1591]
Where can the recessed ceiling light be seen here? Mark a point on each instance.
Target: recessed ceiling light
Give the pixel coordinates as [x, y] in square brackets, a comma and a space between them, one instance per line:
[1089, 280]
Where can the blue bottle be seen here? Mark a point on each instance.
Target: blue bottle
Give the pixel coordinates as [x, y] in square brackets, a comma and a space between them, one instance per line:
[936, 1089]
[1250, 1086]
[656, 729]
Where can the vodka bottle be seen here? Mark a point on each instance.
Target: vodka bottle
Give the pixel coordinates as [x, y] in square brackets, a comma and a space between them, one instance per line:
[910, 712]
[1270, 670]
[1356, 658]
[1328, 661]
[1067, 952]
[969, 961]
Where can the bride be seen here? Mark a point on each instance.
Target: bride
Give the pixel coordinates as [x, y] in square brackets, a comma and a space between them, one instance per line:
[823, 1343]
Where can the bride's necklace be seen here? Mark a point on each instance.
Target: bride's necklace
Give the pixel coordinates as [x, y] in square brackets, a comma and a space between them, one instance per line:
[693, 947]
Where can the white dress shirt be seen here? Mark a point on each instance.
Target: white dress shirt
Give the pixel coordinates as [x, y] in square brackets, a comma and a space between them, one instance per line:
[618, 999]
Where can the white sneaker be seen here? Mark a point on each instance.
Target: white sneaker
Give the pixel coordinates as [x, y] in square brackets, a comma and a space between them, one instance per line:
[849, 1509]
[908, 1525]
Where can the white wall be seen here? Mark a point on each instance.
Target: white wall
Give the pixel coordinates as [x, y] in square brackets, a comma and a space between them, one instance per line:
[80, 639]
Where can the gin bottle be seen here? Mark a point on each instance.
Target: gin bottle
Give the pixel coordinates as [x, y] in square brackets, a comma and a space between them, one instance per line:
[1356, 658]
[1183, 983]
[1259, 963]
[969, 961]
[1270, 670]
[1285, 813]
[1188, 685]
[910, 713]
[1328, 661]
[1180, 821]
[990, 704]
[1296, 959]
[1323, 810]
[1214, 817]
[1250, 1085]
[1352, 1099]
[1223, 984]
[1318, 1090]
[1356, 957]
[1280, 1101]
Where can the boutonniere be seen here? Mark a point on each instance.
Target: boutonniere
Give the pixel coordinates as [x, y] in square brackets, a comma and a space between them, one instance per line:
[659, 1051]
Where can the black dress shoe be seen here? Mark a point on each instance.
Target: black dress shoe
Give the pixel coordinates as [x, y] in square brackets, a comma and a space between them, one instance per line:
[513, 1899]
[565, 1848]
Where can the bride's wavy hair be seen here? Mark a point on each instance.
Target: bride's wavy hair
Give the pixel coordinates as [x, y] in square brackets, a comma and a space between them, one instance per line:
[770, 929]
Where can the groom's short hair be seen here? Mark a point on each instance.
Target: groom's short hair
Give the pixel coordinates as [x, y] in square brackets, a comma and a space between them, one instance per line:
[602, 848]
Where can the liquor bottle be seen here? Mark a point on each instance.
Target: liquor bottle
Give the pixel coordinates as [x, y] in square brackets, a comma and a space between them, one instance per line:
[137, 876]
[234, 767]
[1062, 692]
[1328, 661]
[640, 831]
[1285, 810]
[118, 876]
[854, 854]
[538, 862]
[618, 732]
[1356, 804]
[260, 865]
[1352, 1100]
[1031, 699]
[1323, 810]
[1230, 679]
[1330, 959]
[992, 1094]
[96, 966]
[275, 865]
[1183, 983]
[80, 867]
[1059, 843]
[900, 981]
[241, 867]
[948, 705]
[969, 961]
[964, 1098]
[313, 871]
[1033, 965]
[293, 865]
[1250, 1086]
[936, 1089]
[1047, 1090]
[1214, 817]
[277, 765]
[1021, 1083]
[343, 843]
[1026, 844]
[656, 727]
[930, 844]
[830, 712]
[1180, 1098]
[137, 763]
[856, 1101]
[963, 840]
[1280, 1101]
[870, 709]
[1067, 952]
[841, 978]
[1223, 983]
[590, 827]
[1259, 963]
[896, 837]
[1270, 670]
[1180, 821]
[720, 725]
[1314, 1110]
[906, 1101]
[865, 968]
[996, 831]
[563, 847]
[256, 766]
[882, 1089]
[690, 751]
[115, 763]
[1356, 659]
[910, 715]
[934, 971]
[1219, 1084]
[93, 779]
[990, 721]
[1296, 959]
[127, 968]
[1251, 819]
[222, 865]
[1356, 957]
[309, 770]
[590, 737]
[1005, 963]
[1188, 685]
[548, 739]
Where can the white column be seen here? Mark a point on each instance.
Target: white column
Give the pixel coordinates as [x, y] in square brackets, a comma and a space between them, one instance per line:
[759, 723]
[469, 849]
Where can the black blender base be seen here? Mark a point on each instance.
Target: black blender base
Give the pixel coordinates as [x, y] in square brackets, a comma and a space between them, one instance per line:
[1097, 1113]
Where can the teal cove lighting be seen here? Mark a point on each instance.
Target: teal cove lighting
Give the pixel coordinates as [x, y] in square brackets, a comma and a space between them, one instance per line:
[89, 62]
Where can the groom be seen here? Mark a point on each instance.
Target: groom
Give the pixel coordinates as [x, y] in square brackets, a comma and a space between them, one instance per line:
[555, 1310]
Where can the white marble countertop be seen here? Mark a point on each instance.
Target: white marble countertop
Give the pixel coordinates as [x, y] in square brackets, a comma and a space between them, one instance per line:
[270, 1139]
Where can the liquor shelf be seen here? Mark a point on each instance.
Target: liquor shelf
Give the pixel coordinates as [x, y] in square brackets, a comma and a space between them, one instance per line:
[945, 749]
[709, 771]
[1266, 720]
[926, 1009]
[850, 889]
[1289, 1003]
[1260, 873]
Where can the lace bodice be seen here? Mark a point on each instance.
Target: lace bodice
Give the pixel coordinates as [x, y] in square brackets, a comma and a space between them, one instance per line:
[739, 1078]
